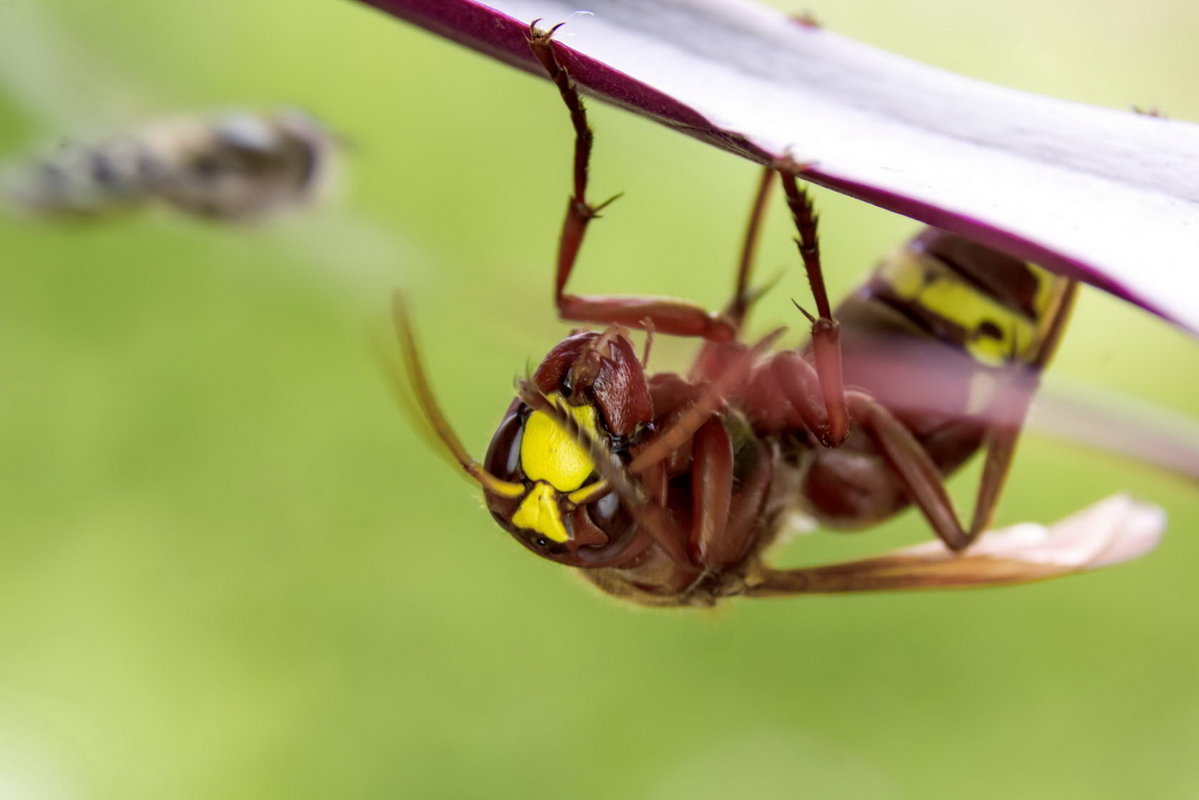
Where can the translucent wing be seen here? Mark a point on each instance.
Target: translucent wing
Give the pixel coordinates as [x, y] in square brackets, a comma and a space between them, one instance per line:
[1111, 531]
[925, 388]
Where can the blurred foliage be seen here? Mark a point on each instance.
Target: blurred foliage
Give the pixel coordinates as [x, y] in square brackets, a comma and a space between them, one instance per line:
[232, 569]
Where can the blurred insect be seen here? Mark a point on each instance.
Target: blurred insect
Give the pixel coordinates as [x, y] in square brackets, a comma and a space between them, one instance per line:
[667, 489]
[234, 167]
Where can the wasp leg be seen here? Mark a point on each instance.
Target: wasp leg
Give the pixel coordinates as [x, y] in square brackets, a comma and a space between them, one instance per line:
[1001, 440]
[800, 385]
[711, 487]
[713, 396]
[784, 395]
[666, 315]
[826, 334]
[724, 509]
[743, 296]
[915, 468]
[710, 362]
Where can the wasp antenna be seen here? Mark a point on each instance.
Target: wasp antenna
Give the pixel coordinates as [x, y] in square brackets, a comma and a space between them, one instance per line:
[401, 390]
[418, 379]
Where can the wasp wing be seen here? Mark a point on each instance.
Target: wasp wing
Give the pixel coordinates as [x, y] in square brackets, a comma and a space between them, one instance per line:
[929, 385]
[1109, 532]
[1128, 426]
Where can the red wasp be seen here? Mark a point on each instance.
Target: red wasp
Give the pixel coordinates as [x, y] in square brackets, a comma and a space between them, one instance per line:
[667, 489]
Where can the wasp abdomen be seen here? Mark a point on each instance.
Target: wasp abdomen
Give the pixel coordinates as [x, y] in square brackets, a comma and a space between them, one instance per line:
[936, 336]
[940, 321]
[963, 294]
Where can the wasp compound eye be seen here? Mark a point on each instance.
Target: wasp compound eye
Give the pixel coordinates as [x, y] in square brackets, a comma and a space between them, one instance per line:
[610, 516]
[503, 454]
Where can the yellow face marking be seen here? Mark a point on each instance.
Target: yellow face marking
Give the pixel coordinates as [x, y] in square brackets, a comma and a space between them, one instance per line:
[539, 512]
[551, 453]
[588, 493]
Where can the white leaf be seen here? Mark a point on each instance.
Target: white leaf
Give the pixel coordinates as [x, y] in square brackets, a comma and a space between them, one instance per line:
[1111, 531]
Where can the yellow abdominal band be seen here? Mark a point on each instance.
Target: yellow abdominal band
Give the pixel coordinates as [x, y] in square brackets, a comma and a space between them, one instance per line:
[997, 334]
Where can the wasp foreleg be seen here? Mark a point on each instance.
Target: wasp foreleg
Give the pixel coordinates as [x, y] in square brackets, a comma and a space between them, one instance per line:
[826, 334]
[665, 315]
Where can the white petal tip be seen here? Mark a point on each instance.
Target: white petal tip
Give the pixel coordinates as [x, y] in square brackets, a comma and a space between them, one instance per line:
[1112, 531]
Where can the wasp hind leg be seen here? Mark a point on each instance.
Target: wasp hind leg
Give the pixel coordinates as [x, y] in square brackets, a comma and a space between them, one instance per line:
[915, 468]
[663, 315]
[1001, 439]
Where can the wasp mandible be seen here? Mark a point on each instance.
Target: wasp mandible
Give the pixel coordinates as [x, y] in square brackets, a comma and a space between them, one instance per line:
[667, 489]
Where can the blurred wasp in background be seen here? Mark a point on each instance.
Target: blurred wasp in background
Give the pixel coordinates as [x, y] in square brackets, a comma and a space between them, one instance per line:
[232, 167]
[667, 489]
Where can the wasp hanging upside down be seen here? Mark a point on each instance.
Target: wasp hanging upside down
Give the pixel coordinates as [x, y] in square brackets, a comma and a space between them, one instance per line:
[667, 489]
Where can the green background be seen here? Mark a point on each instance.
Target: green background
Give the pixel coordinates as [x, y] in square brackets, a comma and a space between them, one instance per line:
[230, 568]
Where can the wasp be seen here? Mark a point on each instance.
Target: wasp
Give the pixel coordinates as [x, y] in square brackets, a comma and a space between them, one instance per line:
[668, 489]
[236, 166]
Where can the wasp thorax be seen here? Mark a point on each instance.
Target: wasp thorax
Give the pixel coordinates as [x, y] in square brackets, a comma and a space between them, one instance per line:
[594, 402]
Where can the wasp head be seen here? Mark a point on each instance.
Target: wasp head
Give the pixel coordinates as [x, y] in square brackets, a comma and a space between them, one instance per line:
[588, 400]
[555, 474]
